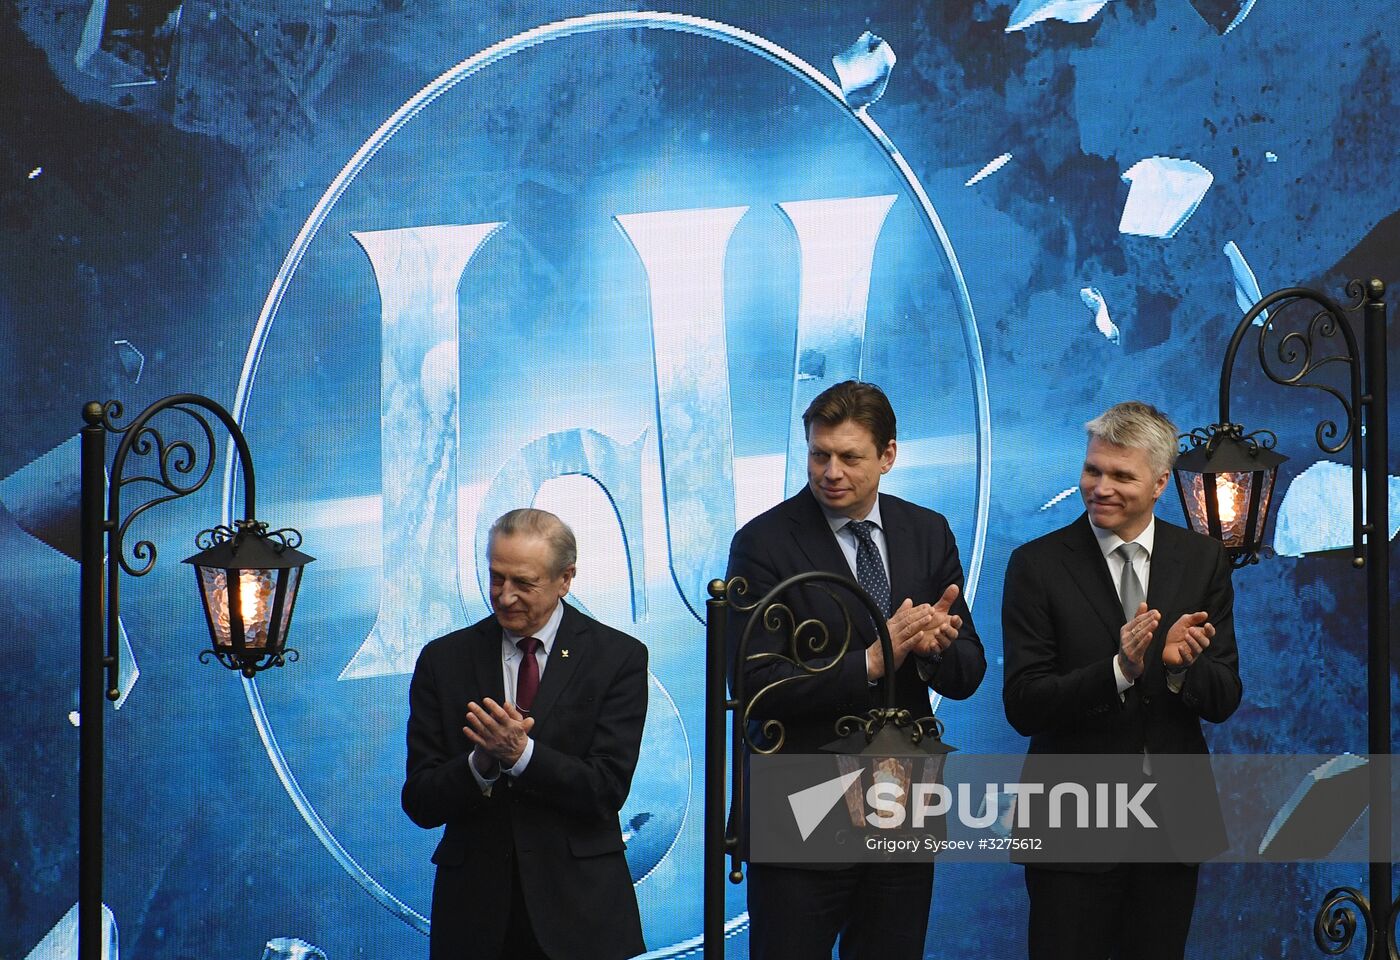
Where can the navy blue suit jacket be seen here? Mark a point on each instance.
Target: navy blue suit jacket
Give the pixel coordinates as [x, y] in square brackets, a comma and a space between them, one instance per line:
[795, 537]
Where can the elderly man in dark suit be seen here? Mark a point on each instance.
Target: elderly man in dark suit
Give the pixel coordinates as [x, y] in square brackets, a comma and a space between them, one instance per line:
[1119, 639]
[906, 559]
[523, 734]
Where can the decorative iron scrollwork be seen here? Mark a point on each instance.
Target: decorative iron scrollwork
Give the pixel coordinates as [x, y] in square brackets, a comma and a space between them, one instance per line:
[176, 468]
[917, 730]
[250, 667]
[278, 540]
[1334, 927]
[1300, 354]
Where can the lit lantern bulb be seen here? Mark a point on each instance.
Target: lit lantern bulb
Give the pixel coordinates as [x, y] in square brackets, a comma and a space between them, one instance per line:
[1227, 495]
[248, 594]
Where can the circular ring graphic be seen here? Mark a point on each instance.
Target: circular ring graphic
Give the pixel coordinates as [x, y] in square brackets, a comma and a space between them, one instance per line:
[593, 23]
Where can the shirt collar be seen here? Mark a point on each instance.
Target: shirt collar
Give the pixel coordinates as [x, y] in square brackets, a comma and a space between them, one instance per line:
[545, 635]
[1110, 541]
[838, 521]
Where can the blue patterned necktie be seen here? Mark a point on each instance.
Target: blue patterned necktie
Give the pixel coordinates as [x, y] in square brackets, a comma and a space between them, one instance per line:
[870, 570]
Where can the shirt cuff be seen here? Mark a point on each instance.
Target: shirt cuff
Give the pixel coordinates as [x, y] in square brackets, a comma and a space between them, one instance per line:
[927, 666]
[482, 781]
[1176, 679]
[524, 760]
[1122, 682]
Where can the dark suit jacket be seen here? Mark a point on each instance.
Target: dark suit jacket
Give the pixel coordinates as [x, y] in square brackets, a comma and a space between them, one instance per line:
[559, 819]
[794, 537]
[1061, 619]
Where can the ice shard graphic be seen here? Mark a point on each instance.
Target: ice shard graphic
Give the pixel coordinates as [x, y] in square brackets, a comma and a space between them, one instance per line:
[992, 167]
[1321, 809]
[1315, 514]
[1098, 306]
[292, 948]
[61, 942]
[683, 253]
[1223, 15]
[864, 70]
[836, 242]
[1057, 498]
[133, 361]
[43, 498]
[418, 270]
[1164, 192]
[1029, 12]
[1247, 292]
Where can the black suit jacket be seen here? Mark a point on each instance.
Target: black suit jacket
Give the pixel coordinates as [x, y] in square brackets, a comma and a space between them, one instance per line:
[794, 537]
[558, 820]
[1061, 619]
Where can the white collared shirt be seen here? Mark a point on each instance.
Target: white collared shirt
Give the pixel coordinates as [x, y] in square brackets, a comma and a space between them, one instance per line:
[846, 537]
[1109, 542]
[511, 656]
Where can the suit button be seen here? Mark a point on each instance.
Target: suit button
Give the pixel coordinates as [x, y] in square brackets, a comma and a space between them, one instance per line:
[1147, 701]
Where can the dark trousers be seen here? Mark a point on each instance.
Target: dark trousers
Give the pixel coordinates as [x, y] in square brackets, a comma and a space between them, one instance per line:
[879, 911]
[520, 942]
[1135, 911]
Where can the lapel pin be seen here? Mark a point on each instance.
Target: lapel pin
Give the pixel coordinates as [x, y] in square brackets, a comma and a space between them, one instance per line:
[564, 653]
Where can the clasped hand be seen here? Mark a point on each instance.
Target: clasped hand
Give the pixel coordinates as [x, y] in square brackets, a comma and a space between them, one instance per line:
[499, 732]
[1186, 639]
[925, 630]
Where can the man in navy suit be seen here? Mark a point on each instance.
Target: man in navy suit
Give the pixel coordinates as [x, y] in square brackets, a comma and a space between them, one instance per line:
[905, 557]
[523, 734]
[1119, 639]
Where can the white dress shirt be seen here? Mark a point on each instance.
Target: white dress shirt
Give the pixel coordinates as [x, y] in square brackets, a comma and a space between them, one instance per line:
[511, 656]
[1109, 542]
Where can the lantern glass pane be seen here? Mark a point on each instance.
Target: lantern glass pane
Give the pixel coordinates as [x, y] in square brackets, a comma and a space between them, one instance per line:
[254, 604]
[1231, 492]
[214, 584]
[1266, 493]
[293, 582]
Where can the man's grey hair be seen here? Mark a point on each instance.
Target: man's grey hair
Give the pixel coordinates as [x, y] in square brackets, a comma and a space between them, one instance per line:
[546, 526]
[1140, 426]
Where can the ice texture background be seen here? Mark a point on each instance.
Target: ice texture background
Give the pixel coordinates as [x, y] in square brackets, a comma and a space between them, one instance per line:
[155, 215]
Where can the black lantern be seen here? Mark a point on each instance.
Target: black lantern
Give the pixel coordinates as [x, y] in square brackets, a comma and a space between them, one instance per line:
[1226, 481]
[248, 579]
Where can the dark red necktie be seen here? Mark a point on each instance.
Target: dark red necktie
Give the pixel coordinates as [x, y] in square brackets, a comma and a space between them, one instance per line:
[527, 677]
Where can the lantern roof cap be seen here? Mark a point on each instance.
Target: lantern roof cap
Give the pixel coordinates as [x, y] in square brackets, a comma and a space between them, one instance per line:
[249, 545]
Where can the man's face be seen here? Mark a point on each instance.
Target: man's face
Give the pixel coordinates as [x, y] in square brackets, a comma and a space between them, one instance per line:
[524, 588]
[844, 468]
[1119, 487]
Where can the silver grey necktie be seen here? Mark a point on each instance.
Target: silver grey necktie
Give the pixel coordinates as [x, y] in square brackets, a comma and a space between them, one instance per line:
[1130, 590]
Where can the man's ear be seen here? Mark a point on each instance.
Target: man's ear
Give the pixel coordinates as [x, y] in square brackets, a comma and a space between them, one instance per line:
[887, 457]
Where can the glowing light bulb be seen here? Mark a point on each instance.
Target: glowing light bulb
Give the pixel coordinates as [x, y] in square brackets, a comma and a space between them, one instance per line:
[1228, 495]
[248, 594]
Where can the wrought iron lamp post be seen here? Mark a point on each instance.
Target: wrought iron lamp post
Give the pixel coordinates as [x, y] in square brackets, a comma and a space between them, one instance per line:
[248, 624]
[1226, 479]
[885, 731]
